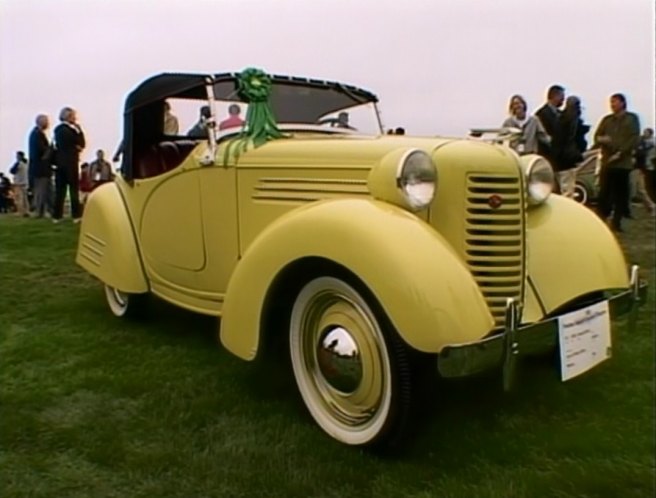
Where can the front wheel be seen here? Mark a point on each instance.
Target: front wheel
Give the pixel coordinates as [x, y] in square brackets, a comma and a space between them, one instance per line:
[351, 368]
[123, 304]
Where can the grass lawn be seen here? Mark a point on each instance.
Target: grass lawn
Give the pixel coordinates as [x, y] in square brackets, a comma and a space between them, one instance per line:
[92, 406]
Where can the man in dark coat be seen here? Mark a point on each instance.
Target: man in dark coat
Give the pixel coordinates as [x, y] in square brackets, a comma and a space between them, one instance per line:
[69, 139]
[618, 135]
[40, 154]
[549, 116]
[573, 144]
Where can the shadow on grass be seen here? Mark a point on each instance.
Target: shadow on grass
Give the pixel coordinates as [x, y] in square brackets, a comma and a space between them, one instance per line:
[471, 417]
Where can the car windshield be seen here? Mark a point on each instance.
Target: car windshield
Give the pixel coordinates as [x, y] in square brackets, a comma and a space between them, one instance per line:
[362, 119]
[332, 108]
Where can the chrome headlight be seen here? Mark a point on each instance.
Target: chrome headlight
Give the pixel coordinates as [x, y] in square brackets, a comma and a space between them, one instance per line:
[404, 177]
[417, 179]
[539, 179]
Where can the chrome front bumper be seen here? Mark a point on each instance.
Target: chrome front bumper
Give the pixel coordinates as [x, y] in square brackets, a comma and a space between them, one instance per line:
[503, 350]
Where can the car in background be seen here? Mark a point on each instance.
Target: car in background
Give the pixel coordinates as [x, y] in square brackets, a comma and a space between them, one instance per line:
[586, 189]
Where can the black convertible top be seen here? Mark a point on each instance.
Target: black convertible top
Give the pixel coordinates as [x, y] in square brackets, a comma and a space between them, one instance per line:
[162, 86]
[182, 85]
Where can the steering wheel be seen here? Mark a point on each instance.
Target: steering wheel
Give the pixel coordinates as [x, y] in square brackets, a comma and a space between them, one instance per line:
[334, 123]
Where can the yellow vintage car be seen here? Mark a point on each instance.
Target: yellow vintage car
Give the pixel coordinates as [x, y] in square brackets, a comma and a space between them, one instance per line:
[277, 204]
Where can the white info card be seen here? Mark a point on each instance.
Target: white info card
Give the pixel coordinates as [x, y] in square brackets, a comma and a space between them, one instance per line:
[584, 339]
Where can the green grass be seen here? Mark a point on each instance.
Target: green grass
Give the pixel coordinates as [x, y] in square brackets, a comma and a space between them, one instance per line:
[95, 407]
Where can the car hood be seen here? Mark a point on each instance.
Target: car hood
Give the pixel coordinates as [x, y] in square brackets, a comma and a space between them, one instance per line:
[357, 151]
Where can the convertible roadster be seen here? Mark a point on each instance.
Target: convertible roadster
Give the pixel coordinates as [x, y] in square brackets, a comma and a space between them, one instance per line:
[293, 217]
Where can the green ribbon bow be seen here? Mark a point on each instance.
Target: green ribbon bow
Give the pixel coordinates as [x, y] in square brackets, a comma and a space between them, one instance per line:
[254, 88]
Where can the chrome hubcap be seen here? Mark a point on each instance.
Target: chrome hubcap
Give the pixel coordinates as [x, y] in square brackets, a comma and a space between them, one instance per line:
[339, 359]
[580, 195]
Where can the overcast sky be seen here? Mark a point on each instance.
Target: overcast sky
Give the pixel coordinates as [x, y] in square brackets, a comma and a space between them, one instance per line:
[438, 66]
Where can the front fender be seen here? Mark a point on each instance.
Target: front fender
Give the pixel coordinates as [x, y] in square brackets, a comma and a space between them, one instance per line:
[107, 248]
[571, 252]
[422, 285]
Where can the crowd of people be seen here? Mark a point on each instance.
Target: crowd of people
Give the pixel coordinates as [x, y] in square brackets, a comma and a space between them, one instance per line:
[556, 131]
[52, 170]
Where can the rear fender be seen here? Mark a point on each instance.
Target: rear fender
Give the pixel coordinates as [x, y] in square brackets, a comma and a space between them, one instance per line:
[107, 248]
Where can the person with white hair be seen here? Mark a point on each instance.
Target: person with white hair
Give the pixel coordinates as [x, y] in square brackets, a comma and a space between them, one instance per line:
[40, 167]
[69, 139]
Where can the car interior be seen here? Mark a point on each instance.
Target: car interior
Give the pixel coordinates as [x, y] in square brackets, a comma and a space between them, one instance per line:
[162, 157]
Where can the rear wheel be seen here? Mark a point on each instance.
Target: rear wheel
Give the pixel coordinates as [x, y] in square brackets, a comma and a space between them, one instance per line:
[351, 368]
[125, 305]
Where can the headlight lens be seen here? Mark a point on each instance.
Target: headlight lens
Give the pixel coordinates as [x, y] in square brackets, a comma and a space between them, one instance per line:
[539, 180]
[417, 179]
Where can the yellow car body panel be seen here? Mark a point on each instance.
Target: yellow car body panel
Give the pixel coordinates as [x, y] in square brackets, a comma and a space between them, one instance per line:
[425, 289]
[186, 224]
[568, 240]
[195, 226]
[173, 206]
[107, 248]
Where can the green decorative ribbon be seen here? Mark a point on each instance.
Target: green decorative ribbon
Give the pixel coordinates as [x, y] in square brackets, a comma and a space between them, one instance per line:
[254, 88]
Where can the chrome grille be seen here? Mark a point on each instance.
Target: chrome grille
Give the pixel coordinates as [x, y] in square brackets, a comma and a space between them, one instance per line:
[494, 238]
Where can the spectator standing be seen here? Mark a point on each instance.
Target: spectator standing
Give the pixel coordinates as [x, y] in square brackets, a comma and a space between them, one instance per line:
[86, 185]
[70, 142]
[618, 135]
[100, 170]
[171, 125]
[40, 166]
[572, 146]
[549, 116]
[533, 132]
[650, 162]
[644, 170]
[199, 130]
[233, 120]
[20, 172]
[5, 194]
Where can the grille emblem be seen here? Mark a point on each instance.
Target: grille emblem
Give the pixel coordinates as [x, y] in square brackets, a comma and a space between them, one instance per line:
[495, 201]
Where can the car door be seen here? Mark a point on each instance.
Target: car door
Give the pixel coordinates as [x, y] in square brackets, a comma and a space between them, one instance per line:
[171, 232]
[218, 196]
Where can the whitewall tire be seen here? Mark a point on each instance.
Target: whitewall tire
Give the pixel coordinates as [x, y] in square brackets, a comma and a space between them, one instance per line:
[123, 304]
[352, 373]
